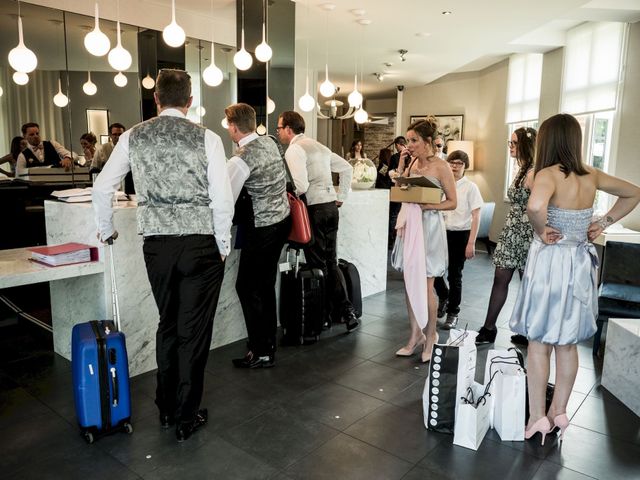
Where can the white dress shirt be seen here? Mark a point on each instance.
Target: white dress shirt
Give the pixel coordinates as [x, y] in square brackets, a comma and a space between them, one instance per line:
[237, 169]
[21, 162]
[311, 164]
[469, 199]
[118, 166]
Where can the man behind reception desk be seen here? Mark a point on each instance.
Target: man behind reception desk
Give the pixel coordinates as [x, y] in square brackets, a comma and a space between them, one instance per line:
[185, 207]
[258, 167]
[311, 165]
[40, 153]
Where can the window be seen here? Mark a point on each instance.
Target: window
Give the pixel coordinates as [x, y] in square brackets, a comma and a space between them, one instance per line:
[523, 101]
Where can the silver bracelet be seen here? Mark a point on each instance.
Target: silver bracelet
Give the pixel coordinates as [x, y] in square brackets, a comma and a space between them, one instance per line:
[604, 222]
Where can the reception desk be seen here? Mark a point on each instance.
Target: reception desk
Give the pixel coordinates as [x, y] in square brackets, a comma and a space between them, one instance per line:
[362, 239]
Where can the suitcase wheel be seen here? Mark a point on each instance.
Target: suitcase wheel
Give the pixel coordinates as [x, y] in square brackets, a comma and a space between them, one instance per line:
[88, 436]
[128, 428]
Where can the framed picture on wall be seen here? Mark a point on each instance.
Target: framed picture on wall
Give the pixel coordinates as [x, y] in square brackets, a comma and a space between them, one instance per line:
[449, 126]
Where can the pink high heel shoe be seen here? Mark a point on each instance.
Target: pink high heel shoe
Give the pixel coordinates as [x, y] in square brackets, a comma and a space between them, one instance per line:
[409, 350]
[542, 425]
[427, 349]
[562, 422]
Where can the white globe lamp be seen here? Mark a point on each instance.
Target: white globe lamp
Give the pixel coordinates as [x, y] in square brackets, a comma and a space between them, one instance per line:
[173, 34]
[20, 78]
[242, 59]
[271, 106]
[361, 115]
[261, 130]
[148, 82]
[224, 123]
[201, 111]
[306, 102]
[60, 99]
[263, 51]
[327, 89]
[89, 87]
[96, 42]
[21, 58]
[119, 58]
[120, 80]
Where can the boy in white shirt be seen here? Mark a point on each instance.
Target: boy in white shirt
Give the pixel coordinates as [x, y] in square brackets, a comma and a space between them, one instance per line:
[462, 229]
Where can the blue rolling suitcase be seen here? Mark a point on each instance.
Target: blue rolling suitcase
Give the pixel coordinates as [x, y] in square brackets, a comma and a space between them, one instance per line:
[100, 369]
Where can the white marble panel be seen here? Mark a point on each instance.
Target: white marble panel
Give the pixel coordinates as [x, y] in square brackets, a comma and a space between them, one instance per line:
[621, 370]
[362, 237]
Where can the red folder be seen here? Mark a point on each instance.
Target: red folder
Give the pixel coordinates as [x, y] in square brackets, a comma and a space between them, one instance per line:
[63, 249]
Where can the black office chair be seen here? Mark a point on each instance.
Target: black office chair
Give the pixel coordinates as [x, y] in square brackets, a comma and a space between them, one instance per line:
[620, 288]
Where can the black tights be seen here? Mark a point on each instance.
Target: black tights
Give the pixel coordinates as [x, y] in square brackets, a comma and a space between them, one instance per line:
[499, 291]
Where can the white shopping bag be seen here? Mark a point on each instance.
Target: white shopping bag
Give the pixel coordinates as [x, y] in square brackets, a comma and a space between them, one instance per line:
[509, 403]
[504, 371]
[472, 418]
[451, 372]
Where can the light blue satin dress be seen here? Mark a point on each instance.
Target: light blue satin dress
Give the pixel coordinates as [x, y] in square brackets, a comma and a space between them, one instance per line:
[435, 240]
[558, 300]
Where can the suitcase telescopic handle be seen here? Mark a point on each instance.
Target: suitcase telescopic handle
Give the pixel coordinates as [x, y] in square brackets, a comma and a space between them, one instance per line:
[114, 386]
[114, 287]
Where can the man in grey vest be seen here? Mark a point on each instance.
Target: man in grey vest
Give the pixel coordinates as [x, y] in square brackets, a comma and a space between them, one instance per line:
[311, 165]
[185, 207]
[258, 166]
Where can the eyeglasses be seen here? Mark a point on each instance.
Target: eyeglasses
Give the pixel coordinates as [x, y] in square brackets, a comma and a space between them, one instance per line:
[278, 128]
[456, 163]
[511, 143]
[438, 145]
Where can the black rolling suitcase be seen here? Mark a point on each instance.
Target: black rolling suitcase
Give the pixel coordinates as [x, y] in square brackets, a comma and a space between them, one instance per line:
[301, 303]
[352, 283]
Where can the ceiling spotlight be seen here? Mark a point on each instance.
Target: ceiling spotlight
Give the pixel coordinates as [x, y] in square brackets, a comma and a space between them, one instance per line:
[402, 53]
[379, 76]
[423, 34]
[387, 64]
[364, 21]
[446, 12]
[358, 12]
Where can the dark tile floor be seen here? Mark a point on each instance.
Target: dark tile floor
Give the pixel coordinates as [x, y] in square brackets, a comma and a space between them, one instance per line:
[345, 408]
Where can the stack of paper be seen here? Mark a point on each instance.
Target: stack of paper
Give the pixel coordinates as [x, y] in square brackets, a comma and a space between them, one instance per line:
[64, 254]
[79, 195]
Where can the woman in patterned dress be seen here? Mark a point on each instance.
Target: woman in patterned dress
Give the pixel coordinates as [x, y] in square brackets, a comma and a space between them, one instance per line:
[511, 253]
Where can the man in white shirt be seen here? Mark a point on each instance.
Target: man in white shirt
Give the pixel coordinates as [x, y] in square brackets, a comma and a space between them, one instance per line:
[104, 151]
[40, 153]
[462, 230]
[311, 165]
[185, 207]
[258, 167]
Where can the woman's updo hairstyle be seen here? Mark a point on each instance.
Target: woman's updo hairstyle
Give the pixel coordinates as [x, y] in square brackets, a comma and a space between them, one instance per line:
[426, 129]
[526, 150]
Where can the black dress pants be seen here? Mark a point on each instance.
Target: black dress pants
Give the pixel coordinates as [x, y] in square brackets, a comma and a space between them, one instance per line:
[185, 273]
[256, 282]
[456, 243]
[321, 253]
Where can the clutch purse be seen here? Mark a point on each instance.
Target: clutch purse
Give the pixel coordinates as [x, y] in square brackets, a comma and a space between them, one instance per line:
[300, 225]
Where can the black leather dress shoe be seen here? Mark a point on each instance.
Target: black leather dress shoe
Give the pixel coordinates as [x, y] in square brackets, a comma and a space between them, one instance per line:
[185, 429]
[350, 320]
[166, 420]
[255, 361]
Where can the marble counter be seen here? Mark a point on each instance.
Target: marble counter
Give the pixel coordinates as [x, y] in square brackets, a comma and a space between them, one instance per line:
[362, 239]
[621, 369]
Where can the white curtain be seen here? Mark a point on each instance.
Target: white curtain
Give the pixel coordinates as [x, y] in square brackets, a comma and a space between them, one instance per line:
[525, 78]
[32, 102]
[592, 61]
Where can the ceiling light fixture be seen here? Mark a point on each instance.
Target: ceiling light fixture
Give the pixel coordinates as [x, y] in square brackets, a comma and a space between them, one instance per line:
[89, 87]
[364, 21]
[60, 99]
[119, 58]
[173, 34]
[271, 106]
[379, 76]
[21, 58]
[446, 12]
[306, 101]
[96, 42]
[402, 53]
[327, 88]
[201, 111]
[261, 130]
[212, 75]
[148, 82]
[242, 59]
[358, 12]
[1, 91]
[120, 80]
[20, 78]
[263, 51]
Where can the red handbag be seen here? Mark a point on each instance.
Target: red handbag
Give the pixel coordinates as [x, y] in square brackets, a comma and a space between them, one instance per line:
[300, 225]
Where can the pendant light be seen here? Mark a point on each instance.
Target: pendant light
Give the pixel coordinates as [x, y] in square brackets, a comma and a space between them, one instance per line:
[20, 78]
[242, 59]
[60, 99]
[21, 58]
[306, 101]
[361, 115]
[224, 123]
[355, 97]
[1, 91]
[200, 111]
[327, 89]
[261, 130]
[96, 42]
[148, 82]
[119, 58]
[263, 51]
[173, 34]
[89, 87]
[212, 75]
[120, 80]
[271, 106]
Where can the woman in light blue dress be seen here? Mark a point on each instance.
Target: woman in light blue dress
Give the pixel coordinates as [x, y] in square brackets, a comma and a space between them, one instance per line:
[557, 304]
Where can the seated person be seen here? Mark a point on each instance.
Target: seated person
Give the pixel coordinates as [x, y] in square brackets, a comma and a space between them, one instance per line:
[88, 143]
[41, 153]
[104, 152]
[17, 145]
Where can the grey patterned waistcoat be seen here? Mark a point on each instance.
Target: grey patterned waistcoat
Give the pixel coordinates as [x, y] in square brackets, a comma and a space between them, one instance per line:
[267, 181]
[169, 166]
